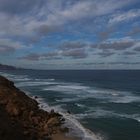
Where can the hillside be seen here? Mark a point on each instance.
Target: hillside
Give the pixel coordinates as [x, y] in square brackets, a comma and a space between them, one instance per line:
[7, 67]
[21, 118]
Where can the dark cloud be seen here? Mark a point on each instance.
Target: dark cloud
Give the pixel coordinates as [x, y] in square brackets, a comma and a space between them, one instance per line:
[72, 45]
[94, 46]
[105, 53]
[45, 29]
[115, 45]
[137, 49]
[106, 34]
[129, 53]
[31, 57]
[109, 48]
[19, 6]
[44, 56]
[51, 55]
[4, 49]
[76, 53]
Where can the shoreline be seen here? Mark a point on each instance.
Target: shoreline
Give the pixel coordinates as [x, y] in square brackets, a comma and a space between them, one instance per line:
[24, 115]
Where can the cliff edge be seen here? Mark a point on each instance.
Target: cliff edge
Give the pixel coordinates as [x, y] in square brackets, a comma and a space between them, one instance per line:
[21, 118]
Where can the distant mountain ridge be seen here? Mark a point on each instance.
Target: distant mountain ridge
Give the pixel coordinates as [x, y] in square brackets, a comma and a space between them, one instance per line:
[7, 67]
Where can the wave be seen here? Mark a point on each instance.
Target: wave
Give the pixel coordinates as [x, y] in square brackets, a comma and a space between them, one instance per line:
[75, 92]
[31, 83]
[73, 87]
[49, 79]
[24, 80]
[101, 113]
[76, 128]
[127, 99]
[91, 112]
[80, 105]
[16, 78]
[80, 92]
[79, 130]
[21, 79]
[67, 87]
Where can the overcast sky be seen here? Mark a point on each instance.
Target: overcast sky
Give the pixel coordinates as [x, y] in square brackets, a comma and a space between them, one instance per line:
[70, 34]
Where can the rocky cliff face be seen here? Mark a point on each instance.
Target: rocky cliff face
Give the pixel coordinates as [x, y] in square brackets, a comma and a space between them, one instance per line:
[21, 118]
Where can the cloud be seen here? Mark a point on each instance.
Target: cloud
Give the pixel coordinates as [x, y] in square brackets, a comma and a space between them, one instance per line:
[109, 63]
[20, 18]
[45, 29]
[134, 31]
[8, 46]
[126, 16]
[22, 7]
[31, 57]
[33, 17]
[76, 53]
[91, 63]
[51, 55]
[73, 49]
[72, 45]
[106, 34]
[83, 9]
[6, 49]
[44, 56]
[72, 27]
[124, 63]
[129, 53]
[114, 44]
[137, 49]
[137, 46]
[57, 55]
[83, 50]
[105, 53]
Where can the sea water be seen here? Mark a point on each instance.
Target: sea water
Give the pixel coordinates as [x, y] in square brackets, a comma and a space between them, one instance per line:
[102, 104]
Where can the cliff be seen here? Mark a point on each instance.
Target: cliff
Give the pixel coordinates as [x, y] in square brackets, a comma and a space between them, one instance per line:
[21, 118]
[7, 67]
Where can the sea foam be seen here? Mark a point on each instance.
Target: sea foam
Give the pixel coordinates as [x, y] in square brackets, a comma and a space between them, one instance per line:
[75, 126]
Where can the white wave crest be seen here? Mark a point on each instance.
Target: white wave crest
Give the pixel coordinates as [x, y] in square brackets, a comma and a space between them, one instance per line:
[76, 128]
[83, 92]
[31, 83]
[101, 113]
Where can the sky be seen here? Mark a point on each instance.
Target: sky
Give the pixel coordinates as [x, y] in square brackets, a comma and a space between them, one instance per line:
[70, 34]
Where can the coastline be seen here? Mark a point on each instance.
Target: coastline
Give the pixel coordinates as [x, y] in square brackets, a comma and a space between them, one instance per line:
[53, 93]
[21, 117]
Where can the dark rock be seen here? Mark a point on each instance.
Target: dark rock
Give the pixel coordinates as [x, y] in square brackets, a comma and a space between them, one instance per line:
[68, 112]
[35, 97]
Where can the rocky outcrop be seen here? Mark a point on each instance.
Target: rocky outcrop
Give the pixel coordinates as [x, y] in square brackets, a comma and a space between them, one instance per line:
[21, 118]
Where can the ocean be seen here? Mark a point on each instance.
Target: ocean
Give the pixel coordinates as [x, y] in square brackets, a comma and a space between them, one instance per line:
[102, 104]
